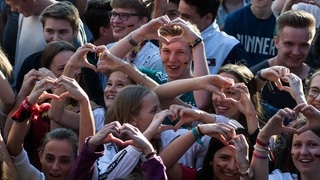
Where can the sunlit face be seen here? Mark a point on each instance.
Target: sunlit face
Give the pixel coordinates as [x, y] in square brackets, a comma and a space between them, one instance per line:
[58, 29]
[225, 108]
[314, 90]
[57, 159]
[116, 82]
[150, 107]
[60, 61]
[176, 59]
[189, 13]
[224, 164]
[305, 152]
[121, 28]
[293, 46]
[25, 7]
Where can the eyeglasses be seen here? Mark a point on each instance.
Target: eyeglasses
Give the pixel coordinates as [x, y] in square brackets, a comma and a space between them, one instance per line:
[314, 92]
[122, 16]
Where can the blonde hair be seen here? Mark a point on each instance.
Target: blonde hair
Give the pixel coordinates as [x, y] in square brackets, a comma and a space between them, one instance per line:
[5, 66]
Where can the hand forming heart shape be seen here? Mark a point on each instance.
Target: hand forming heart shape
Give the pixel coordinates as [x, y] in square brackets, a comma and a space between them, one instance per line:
[163, 31]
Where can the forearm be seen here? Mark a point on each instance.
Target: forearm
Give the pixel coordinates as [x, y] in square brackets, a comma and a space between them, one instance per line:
[57, 107]
[260, 162]
[87, 125]
[138, 76]
[202, 97]
[123, 46]
[207, 118]
[172, 153]
[252, 123]
[16, 137]
[84, 165]
[174, 88]
[259, 82]
[300, 99]
[20, 97]
[7, 96]
[62, 116]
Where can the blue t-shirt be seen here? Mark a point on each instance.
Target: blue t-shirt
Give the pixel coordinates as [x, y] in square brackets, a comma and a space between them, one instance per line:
[256, 35]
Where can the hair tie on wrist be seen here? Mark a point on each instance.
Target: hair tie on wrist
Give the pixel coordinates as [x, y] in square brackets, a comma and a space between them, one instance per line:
[151, 154]
[260, 76]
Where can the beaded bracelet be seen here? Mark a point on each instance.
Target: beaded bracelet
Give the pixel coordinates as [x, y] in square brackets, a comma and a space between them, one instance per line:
[197, 135]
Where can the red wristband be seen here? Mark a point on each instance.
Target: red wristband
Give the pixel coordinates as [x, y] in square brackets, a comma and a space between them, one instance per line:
[258, 141]
[24, 111]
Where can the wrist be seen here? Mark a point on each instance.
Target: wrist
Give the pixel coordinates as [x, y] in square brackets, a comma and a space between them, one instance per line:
[259, 75]
[91, 146]
[263, 138]
[248, 174]
[24, 111]
[197, 133]
[131, 40]
[197, 41]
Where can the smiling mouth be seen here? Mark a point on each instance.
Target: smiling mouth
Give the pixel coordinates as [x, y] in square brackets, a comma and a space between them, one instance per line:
[305, 160]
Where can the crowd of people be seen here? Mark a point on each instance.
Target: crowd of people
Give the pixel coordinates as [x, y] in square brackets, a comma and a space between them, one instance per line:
[160, 89]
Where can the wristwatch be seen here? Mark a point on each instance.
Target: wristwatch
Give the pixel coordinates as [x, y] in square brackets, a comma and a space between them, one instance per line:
[248, 174]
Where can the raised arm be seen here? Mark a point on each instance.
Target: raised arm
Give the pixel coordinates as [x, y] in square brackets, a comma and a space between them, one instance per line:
[273, 73]
[295, 88]
[58, 114]
[187, 115]
[7, 96]
[73, 90]
[92, 149]
[211, 83]
[200, 65]
[109, 62]
[171, 154]
[139, 146]
[21, 116]
[28, 83]
[146, 32]
[274, 126]
[245, 106]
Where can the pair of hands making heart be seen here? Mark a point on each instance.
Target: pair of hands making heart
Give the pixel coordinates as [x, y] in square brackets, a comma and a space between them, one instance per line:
[40, 92]
[277, 74]
[275, 124]
[122, 135]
